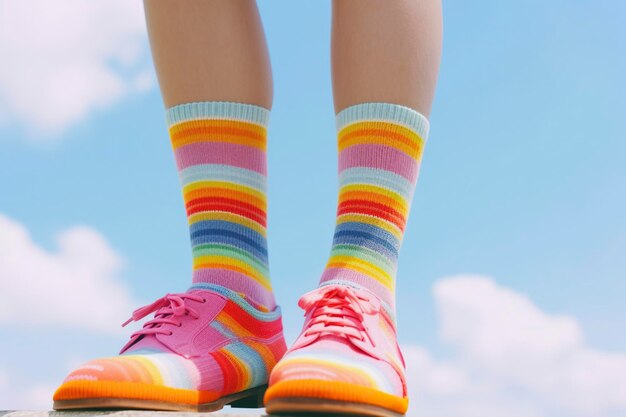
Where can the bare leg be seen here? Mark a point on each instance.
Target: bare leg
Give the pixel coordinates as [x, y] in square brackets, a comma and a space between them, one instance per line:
[209, 50]
[386, 51]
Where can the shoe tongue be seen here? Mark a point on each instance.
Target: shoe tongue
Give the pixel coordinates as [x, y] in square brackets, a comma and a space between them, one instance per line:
[146, 342]
[330, 339]
[150, 342]
[181, 343]
[333, 343]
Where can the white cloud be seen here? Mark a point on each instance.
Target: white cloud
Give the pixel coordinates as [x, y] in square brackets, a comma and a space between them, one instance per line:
[75, 287]
[61, 62]
[510, 358]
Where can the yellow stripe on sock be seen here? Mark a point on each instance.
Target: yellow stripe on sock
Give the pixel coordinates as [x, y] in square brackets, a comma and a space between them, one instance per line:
[363, 267]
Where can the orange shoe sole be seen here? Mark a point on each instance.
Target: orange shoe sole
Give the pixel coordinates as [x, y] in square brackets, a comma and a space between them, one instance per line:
[73, 396]
[331, 397]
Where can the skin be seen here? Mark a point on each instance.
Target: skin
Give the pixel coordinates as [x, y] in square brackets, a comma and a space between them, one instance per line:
[386, 51]
[382, 51]
[209, 50]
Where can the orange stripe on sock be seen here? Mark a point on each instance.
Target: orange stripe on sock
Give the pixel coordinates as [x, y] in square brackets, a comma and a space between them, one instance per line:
[230, 131]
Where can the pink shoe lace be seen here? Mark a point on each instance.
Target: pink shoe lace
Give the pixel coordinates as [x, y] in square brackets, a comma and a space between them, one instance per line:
[168, 309]
[340, 311]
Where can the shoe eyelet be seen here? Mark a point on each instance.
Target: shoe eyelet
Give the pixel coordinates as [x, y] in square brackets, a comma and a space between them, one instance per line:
[170, 333]
[203, 300]
[179, 325]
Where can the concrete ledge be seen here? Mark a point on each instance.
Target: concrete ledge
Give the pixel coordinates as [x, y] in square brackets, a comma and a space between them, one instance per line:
[124, 413]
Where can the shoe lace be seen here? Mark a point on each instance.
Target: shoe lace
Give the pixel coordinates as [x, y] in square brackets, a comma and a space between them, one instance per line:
[339, 310]
[169, 309]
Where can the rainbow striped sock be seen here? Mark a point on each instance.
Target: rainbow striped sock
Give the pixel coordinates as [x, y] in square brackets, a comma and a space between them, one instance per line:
[220, 151]
[380, 149]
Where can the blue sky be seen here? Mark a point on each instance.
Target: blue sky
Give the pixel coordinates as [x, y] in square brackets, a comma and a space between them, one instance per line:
[523, 179]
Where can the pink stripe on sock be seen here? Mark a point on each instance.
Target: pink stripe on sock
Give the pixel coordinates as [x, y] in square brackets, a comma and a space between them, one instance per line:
[381, 157]
[221, 153]
[237, 282]
[340, 274]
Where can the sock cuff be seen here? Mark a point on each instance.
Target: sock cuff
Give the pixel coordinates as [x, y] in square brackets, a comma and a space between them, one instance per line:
[388, 112]
[217, 110]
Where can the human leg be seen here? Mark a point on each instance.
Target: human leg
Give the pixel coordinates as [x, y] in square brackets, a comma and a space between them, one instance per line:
[217, 342]
[346, 360]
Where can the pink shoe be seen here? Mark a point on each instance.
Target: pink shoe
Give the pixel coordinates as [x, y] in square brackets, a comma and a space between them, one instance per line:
[203, 349]
[346, 360]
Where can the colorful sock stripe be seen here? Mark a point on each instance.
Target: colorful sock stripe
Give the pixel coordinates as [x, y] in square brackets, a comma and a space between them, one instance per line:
[380, 149]
[204, 110]
[220, 152]
[236, 299]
